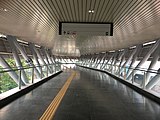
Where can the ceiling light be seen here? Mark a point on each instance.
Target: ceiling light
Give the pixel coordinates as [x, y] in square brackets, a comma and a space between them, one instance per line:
[91, 11]
[112, 51]
[103, 52]
[3, 9]
[148, 43]
[37, 46]
[22, 41]
[3, 36]
[132, 47]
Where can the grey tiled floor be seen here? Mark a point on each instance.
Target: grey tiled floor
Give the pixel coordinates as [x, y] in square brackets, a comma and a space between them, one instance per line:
[32, 105]
[96, 96]
[91, 96]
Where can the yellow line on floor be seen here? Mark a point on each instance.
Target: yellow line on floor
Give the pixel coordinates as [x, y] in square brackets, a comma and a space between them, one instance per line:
[50, 111]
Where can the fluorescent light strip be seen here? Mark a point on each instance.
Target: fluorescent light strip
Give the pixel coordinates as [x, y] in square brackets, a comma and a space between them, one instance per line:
[148, 43]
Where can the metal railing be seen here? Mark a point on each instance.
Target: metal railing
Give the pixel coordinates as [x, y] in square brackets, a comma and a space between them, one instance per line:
[44, 70]
[145, 79]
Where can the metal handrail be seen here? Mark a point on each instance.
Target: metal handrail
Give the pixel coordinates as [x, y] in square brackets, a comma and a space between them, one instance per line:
[19, 70]
[23, 68]
[140, 69]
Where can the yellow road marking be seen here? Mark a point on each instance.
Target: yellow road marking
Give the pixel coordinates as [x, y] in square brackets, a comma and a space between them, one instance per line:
[50, 111]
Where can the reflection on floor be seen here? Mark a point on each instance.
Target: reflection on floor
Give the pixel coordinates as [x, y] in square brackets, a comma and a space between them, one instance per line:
[92, 95]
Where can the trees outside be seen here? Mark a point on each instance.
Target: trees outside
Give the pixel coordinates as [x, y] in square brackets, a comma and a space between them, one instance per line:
[6, 82]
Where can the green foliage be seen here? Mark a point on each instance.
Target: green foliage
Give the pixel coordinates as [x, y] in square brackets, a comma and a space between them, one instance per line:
[11, 62]
[6, 82]
[24, 64]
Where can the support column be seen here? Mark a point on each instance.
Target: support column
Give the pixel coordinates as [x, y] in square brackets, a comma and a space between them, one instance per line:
[108, 61]
[27, 59]
[16, 58]
[53, 59]
[12, 74]
[153, 81]
[130, 57]
[39, 56]
[50, 60]
[135, 57]
[154, 60]
[92, 61]
[97, 60]
[84, 59]
[145, 58]
[113, 61]
[153, 48]
[31, 46]
[45, 56]
[50, 55]
[122, 61]
[88, 61]
[104, 58]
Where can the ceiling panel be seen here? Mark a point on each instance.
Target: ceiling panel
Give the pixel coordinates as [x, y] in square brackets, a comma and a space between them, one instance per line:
[37, 21]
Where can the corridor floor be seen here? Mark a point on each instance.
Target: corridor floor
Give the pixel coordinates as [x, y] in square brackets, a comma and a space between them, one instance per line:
[91, 95]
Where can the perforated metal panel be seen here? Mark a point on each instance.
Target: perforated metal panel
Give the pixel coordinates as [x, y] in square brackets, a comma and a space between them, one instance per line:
[135, 21]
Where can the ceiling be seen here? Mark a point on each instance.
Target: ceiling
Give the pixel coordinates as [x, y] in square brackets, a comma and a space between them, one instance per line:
[37, 21]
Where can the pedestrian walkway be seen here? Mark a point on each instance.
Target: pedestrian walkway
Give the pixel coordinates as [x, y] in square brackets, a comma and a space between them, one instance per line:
[91, 95]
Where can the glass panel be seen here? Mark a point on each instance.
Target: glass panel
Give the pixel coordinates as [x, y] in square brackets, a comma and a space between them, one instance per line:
[155, 79]
[6, 82]
[28, 72]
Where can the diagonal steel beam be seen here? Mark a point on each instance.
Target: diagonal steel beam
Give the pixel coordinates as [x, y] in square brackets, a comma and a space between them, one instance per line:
[11, 40]
[145, 58]
[12, 73]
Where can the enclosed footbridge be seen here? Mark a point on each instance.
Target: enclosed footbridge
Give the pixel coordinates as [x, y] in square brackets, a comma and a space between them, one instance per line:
[79, 59]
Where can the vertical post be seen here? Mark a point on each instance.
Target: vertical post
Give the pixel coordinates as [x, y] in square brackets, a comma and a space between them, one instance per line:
[132, 76]
[125, 72]
[24, 54]
[119, 72]
[12, 73]
[154, 80]
[46, 58]
[47, 70]
[11, 40]
[20, 81]
[115, 69]
[113, 66]
[32, 74]
[144, 80]
[53, 67]
[41, 71]
[111, 69]
[146, 57]
[156, 56]
[135, 57]
[59, 67]
[31, 46]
